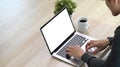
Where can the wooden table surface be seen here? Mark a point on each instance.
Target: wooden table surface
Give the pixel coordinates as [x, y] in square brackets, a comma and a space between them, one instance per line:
[21, 42]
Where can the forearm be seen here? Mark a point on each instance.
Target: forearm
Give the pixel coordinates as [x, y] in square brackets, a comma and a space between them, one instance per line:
[91, 60]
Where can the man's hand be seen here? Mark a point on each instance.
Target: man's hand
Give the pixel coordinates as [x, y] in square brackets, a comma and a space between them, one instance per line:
[100, 44]
[75, 51]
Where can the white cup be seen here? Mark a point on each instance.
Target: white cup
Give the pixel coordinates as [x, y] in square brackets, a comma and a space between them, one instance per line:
[82, 24]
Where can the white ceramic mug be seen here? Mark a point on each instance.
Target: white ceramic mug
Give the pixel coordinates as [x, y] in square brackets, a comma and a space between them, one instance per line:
[82, 24]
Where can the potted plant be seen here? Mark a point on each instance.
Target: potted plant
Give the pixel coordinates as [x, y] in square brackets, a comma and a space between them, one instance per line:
[69, 4]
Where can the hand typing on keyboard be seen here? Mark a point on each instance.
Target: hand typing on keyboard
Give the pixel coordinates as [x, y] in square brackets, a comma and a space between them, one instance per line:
[77, 40]
[75, 51]
[98, 45]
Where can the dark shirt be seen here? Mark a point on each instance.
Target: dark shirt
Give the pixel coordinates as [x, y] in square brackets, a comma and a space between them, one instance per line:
[113, 59]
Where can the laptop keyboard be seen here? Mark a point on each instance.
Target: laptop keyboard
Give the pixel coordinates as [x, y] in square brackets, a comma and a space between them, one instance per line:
[77, 40]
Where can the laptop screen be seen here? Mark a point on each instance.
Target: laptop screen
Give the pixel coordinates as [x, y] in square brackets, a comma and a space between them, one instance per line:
[57, 30]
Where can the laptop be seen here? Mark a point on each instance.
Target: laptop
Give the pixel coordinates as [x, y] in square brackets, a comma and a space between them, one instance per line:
[59, 33]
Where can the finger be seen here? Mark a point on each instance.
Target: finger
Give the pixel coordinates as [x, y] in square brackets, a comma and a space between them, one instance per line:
[68, 49]
[89, 43]
[77, 45]
[89, 47]
[73, 47]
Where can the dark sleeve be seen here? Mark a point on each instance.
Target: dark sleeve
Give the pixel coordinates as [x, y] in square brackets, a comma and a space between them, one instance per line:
[110, 39]
[113, 59]
[91, 60]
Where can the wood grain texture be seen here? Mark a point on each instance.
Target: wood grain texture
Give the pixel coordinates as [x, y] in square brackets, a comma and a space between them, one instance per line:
[21, 43]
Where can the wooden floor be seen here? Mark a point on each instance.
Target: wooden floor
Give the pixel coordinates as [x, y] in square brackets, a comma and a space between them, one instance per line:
[21, 43]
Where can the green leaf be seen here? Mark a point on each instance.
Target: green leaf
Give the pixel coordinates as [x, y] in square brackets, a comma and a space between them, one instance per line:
[60, 4]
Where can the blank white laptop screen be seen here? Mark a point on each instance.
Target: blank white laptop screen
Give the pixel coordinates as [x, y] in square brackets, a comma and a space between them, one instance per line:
[57, 30]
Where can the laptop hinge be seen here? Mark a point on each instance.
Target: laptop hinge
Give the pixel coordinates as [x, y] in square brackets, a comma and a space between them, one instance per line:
[63, 42]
